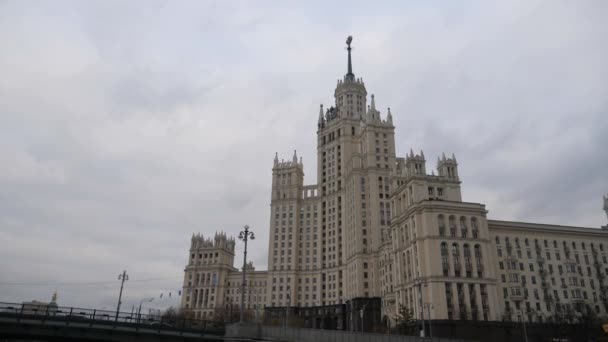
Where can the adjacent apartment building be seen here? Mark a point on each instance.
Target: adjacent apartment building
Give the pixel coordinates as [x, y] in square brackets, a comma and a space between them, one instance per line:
[380, 226]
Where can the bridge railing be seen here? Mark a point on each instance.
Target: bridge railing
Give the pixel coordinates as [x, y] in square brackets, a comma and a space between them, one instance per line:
[44, 312]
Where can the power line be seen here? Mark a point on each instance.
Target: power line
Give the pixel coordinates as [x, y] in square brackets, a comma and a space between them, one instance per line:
[81, 283]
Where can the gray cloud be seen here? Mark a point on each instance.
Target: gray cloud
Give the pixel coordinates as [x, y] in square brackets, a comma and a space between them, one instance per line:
[124, 128]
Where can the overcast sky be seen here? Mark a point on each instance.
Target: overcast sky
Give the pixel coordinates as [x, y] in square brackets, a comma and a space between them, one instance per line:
[127, 126]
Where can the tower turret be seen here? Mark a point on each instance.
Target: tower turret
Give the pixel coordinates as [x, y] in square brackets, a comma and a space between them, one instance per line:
[415, 164]
[447, 167]
[321, 122]
[373, 115]
[350, 94]
[287, 177]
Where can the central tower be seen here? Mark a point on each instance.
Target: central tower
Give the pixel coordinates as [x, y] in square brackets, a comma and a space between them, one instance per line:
[326, 241]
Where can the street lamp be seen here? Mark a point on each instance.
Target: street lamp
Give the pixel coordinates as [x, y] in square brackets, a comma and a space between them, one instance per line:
[287, 312]
[418, 282]
[362, 312]
[428, 307]
[521, 315]
[140, 303]
[123, 277]
[244, 235]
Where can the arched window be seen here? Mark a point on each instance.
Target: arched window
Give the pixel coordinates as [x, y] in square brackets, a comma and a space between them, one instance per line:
[452, 226]
[444, 259]
[441, 224]
[463, 227]
[456, 259]
[474, 228]
[479, 262]
[467, 260]
[408, 265]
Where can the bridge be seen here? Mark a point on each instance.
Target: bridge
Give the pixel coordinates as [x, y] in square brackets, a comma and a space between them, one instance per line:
[51, 323]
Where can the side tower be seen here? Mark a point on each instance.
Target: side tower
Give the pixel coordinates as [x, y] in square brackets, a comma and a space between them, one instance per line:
[205, 276]
[442, 249]
[285, 206]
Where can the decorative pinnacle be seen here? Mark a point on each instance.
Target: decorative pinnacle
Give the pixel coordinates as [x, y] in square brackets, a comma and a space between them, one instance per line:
[349, 74]
[321, 114]
[606, 204]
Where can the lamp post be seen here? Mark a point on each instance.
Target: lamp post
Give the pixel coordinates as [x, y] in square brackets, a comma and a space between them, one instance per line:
[519, 308]
[244, 235]
[419, 284]
[140, 303]
[429, 306]
[287, 312]
[123, 277]
[362, 312]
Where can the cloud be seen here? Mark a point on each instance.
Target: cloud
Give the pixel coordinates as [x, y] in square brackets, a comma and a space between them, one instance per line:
[124, 128]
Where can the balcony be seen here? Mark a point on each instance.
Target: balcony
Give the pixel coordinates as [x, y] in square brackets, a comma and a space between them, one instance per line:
[517, 297]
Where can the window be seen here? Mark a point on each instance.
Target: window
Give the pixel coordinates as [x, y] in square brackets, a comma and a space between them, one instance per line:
[463, 227]
[441, 224]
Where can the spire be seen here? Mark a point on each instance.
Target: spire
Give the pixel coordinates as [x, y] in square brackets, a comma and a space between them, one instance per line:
[422, 154]
[276, 159]
[295, 157]
[443, 156]
[389, 116]
[373, 103]
[349, 75]
[453, 156]
[321, 114]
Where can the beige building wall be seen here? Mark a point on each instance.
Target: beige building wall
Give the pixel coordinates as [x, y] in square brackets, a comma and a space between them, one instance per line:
[548, 269]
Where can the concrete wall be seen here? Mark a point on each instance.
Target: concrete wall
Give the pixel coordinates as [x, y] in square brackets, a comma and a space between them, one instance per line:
[316, 335]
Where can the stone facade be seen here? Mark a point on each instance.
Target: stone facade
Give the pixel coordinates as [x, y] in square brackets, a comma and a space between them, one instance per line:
[380, 226]
[212, 284]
